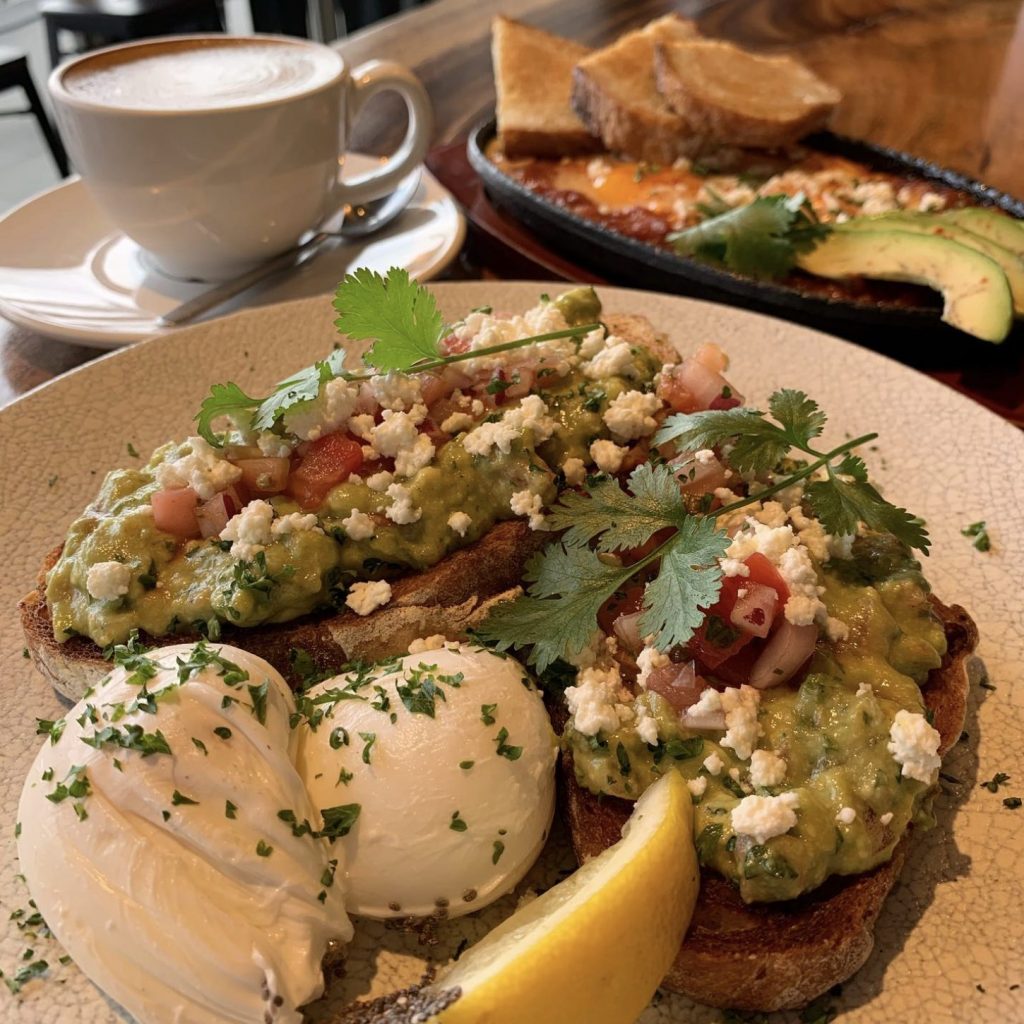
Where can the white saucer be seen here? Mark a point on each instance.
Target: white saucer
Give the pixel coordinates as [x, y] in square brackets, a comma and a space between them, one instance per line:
[68, 273]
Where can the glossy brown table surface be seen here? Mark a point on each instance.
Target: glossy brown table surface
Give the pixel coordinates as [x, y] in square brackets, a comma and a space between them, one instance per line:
[940, 79]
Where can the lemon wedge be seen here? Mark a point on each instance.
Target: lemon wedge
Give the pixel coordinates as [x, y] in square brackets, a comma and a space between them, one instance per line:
[596, 946]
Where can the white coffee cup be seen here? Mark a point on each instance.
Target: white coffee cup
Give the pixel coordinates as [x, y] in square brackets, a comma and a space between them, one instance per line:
[217, 152]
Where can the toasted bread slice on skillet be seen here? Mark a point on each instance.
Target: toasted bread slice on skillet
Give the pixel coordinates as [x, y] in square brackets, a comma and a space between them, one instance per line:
[727, 95]
[616, 96]
[775, 956]
[533, 80]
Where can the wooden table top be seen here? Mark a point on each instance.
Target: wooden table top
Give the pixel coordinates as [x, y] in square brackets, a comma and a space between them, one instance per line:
[940, 79]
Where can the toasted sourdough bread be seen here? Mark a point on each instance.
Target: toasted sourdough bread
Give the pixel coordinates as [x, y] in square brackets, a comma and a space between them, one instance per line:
[776, 956]
[728, 95]
[450, 598]
[533, 80]
[615, 94]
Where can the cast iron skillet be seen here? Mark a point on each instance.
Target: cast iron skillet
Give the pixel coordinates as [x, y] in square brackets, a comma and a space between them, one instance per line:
[630, 261]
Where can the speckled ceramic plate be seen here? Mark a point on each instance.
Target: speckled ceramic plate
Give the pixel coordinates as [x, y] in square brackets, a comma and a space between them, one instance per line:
[950, 943]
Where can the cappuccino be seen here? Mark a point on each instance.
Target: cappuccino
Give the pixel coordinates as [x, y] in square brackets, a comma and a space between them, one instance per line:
[201, 74]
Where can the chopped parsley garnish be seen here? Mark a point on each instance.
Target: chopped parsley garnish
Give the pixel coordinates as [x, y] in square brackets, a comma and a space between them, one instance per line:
[499, 849]
[338, 738]
[487, 713]
[223, 732]
[327, 878]
[368, 738]
[979, 532]
[132, 451]
[995, 782]
[253, 576]
[263, 850]
[338, 821]
[1012, 802]
[132, 737]
[344, 777]
[258, 696]
[570, 580]
[230, 809]
[466, 765]
[204, 656]
[199, 745]
[24, 974]
[53, 729]
[504, 749]
[623, 758]
[457, 824]
[177, 799]
[419, 691]
[75, 785]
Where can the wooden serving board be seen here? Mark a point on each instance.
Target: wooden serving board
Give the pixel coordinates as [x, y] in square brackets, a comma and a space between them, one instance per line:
[500, 245]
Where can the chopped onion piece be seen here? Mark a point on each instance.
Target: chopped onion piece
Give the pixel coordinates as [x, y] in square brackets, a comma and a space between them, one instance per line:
[784, 653]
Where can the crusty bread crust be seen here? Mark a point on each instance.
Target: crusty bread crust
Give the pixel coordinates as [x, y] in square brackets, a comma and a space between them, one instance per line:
[533, 81]
[450, 598]
[727, 96]
[776, 956]
[615, 95]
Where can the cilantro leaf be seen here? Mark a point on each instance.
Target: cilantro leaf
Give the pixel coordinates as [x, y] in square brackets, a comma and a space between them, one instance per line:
[298, 392]
[617, 518]
[799, 416]
[758, 443]
[400, 315]
[760, 239]
[842, 504]
[687, 583]
[224, 400]
[559, 615]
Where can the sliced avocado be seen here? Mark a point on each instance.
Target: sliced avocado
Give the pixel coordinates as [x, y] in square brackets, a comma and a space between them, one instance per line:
[976, 295]
[994, 225]
[929, 224]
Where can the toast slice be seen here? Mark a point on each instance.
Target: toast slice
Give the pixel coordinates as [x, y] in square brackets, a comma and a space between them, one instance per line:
[533, 80]
[450, 598]
[730, 96]
[776, 956]
[615, 94]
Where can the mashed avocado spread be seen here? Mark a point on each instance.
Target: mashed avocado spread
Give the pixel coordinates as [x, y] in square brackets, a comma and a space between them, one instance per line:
[196, 585]
[833, 730]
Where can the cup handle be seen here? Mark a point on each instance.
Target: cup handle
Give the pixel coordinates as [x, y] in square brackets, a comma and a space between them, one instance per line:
[367, 80]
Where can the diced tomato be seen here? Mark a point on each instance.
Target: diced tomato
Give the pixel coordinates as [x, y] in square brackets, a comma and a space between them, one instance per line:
[174, 512]
[724, 401]
[762, 571]
[451, 344]
[711, 356]
[624, 602]
[716, 640]
[328, 462]
[675, 394]
[736, 670]
[639, 452]
[677, 683]
[265, 475]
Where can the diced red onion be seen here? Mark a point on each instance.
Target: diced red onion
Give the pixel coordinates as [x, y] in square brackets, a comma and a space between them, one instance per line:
[698, 477]
[627, 629]
[754, 612]
[711, 357]
[213, 515]
[174, 512]
[783, 655]
[679, 684]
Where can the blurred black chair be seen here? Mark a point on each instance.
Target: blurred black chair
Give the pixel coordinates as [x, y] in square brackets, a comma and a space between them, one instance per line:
[295, 18]
[14, 74]
[103, 22]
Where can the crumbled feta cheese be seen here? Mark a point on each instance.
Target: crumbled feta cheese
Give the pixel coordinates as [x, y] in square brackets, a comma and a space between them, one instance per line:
[329, 411]
[734, 567]
[532, 414]
[362, 426]
[647, 661]
[457, 422]
[370, 454]
[709, 703]
[380, 481]
[396, 390]
[772, 514]
[203, 469]
[592, 343]
[915, 745]
[459, 522]
[847, 816]
[865, 690]
[614, 360]
[742, 728]
[364, 598]
[249, 530]
[646, 726]
[607, 456]
[488, 436]
[841, 545]
[272, 446]
[395, 433]
[886, 818]
[596, 701]
[630, 415]
[401, 510]
[526, 503]
[763, 817]
[767, 768]
[836, 629]
[804, 605]
[295, 522]
[477, 407]
[713, 763]
[574, 471]
[697, 786]
[428, 643]
[358, 525]
[409, 461]
[106, 581]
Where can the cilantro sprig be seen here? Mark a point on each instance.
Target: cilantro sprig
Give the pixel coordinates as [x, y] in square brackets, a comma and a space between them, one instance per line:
[402, 320]
[760, 239]
[570, 580]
